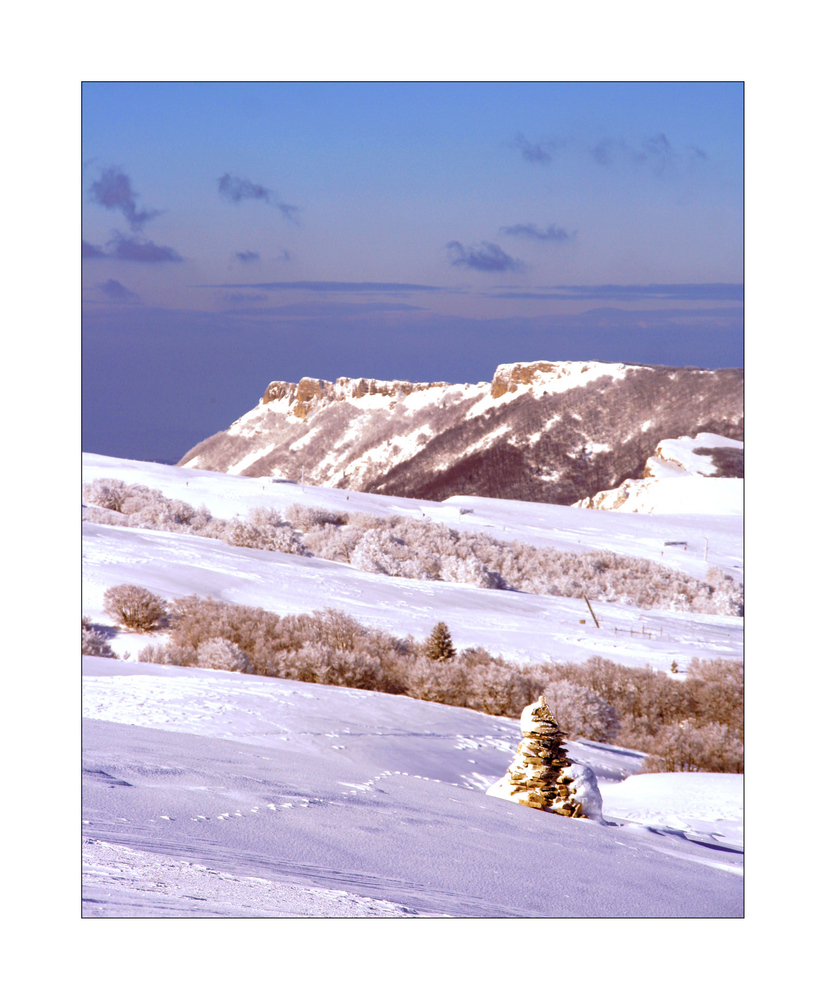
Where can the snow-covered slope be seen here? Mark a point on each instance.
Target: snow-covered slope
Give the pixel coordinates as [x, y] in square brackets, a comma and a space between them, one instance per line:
[517, 625]
[684, 475]
[208, 793]
[222, 794]
[540, 431]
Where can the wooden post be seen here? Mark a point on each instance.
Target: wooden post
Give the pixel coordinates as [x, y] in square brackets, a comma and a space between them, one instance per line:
[592, 611]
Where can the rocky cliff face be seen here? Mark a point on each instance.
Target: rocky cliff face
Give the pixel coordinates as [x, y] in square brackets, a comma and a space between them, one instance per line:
[302, 397]
[543, 431]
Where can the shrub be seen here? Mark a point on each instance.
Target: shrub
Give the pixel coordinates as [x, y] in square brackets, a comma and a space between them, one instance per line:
[444, 681]
[264, 529]
[134, 607]
[105, 515]
[158, 652]
[694, 723]
[222, 654]
[93, 642]
[581, 712]
[380, 551]
[109, 493]
[686, 747]
[306, 518]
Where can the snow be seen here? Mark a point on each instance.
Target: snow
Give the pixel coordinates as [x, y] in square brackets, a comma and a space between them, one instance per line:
[697, 803]
[681, 451]
[564, 375]
[208, 793]
[686, 494]
[522, 626]
[676, 481]
[219, 794]
[568, 528]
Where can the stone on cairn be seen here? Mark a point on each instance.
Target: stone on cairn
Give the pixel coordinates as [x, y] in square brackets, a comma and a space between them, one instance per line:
[542, 776]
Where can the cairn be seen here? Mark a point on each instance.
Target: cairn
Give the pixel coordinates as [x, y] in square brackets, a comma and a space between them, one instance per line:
[542, 776]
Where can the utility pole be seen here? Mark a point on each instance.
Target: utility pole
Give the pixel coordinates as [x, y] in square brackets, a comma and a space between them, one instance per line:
[592, 611]
[705, 554]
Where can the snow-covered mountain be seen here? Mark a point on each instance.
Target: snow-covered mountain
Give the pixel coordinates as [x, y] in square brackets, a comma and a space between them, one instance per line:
[551, 432]
[699, 474]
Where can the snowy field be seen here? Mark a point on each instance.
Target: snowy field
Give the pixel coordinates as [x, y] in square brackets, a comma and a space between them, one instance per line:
[517, 625]
[217, 794]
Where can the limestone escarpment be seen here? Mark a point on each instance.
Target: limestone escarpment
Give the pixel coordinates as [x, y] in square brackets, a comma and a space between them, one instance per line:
[508, 378]
[302, 395]
[542, 776]
[543, 431]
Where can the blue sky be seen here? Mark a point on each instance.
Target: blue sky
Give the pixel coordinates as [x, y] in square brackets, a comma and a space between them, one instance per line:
[239, 233]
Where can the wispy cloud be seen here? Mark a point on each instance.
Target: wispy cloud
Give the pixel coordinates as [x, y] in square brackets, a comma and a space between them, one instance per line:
[115, 290]
[536, 152]
[238, 189]
[241, 298]
[348, 287]
[487, 257]
[550, 233]
[247, 256]
[655, 151]
[113, 190]
[89, 250]
[688, 292]
[142, 251]
[320, 310]
[290, 212]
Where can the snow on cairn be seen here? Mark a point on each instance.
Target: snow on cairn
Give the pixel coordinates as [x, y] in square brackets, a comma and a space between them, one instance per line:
[542, 776]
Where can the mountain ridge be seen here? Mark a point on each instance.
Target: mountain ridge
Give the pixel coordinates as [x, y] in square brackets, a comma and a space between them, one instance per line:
[552, 432]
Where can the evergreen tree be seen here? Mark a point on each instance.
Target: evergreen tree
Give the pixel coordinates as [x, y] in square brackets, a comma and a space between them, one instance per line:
[439, 645]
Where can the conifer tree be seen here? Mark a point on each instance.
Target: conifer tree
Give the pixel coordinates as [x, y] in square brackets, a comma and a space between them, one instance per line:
[439, 645]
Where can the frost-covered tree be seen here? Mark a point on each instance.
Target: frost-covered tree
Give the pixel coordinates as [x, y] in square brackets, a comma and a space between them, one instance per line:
[439, 645]
[109, 493]
[222, 654]
[264, 529]
[581, 712]
[94, 642]
[134, 607]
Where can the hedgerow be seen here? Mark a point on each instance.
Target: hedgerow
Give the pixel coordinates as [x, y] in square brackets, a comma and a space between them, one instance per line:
[685, 724]
[423, 550]
[693, 723]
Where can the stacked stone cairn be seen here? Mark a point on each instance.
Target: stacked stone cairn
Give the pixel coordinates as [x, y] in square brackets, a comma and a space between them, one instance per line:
[542, 776]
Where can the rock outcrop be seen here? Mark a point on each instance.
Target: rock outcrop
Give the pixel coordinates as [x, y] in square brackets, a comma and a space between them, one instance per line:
[542, 776]
[302, 396]
[672, 479]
